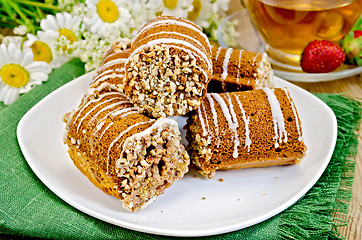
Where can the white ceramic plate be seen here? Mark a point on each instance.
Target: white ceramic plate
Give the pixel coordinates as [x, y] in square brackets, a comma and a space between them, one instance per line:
[193, 206]
[319, 77]
[250, 40]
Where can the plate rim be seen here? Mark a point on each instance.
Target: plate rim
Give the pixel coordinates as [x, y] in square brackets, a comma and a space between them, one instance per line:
[167, 232]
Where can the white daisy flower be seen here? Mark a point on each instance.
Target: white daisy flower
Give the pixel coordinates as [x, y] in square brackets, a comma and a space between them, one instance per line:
[44, 48]
[17, 40]
[18, 72]
[179, 8]
[108, 15]
[200, 12]
[66, 26]
[141, 14]
[20, 30]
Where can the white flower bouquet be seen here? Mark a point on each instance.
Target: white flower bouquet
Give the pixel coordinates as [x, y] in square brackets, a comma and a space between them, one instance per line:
[49, 33]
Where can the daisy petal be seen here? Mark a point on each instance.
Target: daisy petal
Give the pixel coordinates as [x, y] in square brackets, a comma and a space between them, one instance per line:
[11, 96]
[4, 53]
[11, 50]
[68, 21]
[44, 23]
[39, 77]
[30, 41]
[59, 61]
[3, 89]
[49, 24]
[60, 19]
[28, 59]
[18, 56]
[34, 67]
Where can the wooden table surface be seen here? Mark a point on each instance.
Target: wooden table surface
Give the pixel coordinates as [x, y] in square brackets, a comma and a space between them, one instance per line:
[351, 87]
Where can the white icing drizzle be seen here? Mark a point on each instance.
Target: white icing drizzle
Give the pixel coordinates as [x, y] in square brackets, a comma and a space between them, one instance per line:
[172, 21]
[112, 63]
[109, 76]
[173, 42]
[191, 55]
[105, 130]
[105, 108]
[278, 118]
[230, 118]
[181, 35]
[109, 55]
[214, 116]
[239, 62]
[117, 112]
[94, 108]
[121, 113]
[105, 85]
[101, 74]
[115, 53]
[120, 136]
[226, 64]
[218, 52]
[246, 122]
[80, 110]
[159, 123]
[255, 59]
[297, 123]
[236, 126]
[99, 126]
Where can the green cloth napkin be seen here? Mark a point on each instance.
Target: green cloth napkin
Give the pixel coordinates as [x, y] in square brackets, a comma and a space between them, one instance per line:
[29, 208]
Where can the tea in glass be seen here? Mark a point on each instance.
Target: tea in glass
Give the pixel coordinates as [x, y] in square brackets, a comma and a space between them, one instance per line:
[288, 25]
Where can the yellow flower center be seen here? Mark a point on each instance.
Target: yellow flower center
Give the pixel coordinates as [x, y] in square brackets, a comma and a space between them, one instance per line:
[69, 34]
[14, 75]
[41, 52]
[170, 4]
[107, 10]
[195, 12]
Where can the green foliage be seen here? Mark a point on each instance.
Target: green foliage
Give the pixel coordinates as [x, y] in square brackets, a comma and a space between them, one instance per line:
[26, 12]
[352, 45]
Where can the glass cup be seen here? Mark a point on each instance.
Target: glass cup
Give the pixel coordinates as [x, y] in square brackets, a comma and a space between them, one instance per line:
[287, 26]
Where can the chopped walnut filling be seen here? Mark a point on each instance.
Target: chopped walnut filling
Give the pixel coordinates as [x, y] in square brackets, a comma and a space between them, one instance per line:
[163, 82]
[149, 165]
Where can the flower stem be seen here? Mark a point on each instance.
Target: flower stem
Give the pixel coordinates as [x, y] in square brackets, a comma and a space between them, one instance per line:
[38, 4]
[25, 20]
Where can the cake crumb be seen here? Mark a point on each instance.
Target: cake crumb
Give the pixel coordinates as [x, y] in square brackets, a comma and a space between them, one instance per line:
[221, 180]
[203, 198]
[238, 199]
[264, 194]
[276, 178]
[194, 176]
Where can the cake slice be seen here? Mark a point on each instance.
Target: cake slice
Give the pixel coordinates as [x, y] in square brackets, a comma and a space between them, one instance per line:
[110, 74]
[256, 128]
[169, 67]
[124, 153]
[239, 70]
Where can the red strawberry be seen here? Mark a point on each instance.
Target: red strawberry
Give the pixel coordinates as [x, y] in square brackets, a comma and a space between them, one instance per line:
[321, 56]
[352, 46]
[357, 33]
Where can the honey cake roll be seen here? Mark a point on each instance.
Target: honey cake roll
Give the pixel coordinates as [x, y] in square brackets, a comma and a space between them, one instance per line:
[110, 74]
[122, 152]
[256, 128]
[169, 67]
[238, 70]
